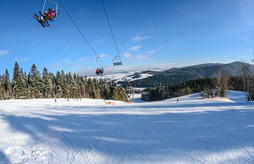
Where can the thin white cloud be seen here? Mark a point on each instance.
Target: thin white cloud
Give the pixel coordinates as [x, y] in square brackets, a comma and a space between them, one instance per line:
[67, 63]
[143, 56]
[82, 59]
[3, 52]
[20, 60]
[127, 54]
[24, 59]
[150, 52]
[103, 55]
[146, 55]
[140, 56]
[135, 48]
[138, 38]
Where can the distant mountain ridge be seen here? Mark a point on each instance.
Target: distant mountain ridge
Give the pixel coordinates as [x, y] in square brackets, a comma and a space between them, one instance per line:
[178, 75]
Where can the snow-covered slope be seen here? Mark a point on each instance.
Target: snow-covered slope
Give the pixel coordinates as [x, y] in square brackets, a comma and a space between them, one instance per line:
[120, 77]
[192, 130]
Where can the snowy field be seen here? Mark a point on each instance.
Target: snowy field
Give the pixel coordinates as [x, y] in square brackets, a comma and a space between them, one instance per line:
[193, 130]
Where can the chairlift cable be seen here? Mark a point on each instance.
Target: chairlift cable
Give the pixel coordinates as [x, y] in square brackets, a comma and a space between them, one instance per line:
[118, 52]
[83, 35]
[117, 57]
[110, 26]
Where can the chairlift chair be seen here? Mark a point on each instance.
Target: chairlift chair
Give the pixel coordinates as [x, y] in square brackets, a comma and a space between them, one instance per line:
[42, 19]
[117, 61]
[100, 70]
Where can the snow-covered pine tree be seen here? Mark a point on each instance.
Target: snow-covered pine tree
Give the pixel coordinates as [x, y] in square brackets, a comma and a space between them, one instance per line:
[82, 86]
[117, 94]
[89, 88]
[75, 86]
[2, 91]
[64, 85]
[7, 85]
[102, 88]
[123, 94]
[28, 91]
[79, 86]
[46, 84]
[107, 92]
[52, 85]
[16, 81]
[35, 82]
[22, 86]
[59, 84]
[72, 85]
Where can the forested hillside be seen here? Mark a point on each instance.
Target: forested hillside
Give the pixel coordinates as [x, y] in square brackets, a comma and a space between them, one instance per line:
[208, 87]
[35, 86]
[178, 75]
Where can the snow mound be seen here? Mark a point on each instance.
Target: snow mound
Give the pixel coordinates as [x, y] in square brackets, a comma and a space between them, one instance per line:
[236, 96]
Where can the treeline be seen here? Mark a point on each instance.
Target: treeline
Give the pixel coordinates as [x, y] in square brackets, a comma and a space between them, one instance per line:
[47, 85]
[209, 87]
[248, 80]
[170, 91]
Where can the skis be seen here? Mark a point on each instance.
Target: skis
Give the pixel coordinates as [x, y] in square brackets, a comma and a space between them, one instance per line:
[41, 20]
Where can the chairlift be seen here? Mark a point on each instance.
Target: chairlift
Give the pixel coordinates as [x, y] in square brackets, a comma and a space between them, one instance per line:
[117, 61]
[99, 71]
[46, 16]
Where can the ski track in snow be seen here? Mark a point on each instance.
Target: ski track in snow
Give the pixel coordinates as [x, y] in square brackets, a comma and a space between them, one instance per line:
[192, 130]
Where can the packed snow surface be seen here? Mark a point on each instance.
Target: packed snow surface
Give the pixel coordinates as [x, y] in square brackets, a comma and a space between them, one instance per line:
[193, 130]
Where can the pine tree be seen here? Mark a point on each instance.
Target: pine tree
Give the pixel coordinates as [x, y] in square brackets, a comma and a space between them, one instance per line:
[52, 84]
[107, 92]
[35, 82]
[59, 84]
[73, 86]
[46, 84]
[64, 85]
[16, 81]
[7, 85]
[2, 91]
[82, 87]
[117, 94]
[23, 88]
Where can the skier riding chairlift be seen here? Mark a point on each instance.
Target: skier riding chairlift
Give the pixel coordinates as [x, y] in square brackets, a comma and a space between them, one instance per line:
[47, 15]
[99, 71]
[51, 14]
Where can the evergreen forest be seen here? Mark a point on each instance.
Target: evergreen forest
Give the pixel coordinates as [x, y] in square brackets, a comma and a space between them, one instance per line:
[35, 85]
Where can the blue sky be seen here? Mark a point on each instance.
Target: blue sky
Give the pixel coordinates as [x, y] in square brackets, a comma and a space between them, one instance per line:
[161, 33]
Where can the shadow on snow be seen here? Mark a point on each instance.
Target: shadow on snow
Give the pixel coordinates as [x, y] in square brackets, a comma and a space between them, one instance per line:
[126, 135]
